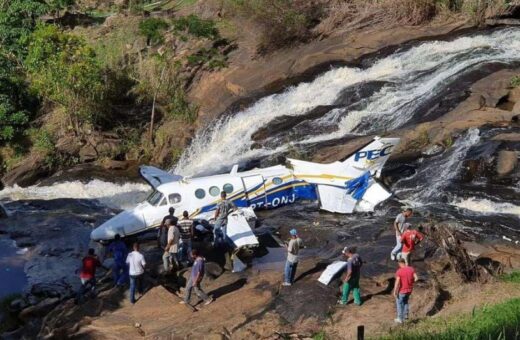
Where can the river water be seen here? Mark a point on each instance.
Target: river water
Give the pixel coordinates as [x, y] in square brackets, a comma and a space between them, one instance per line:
[12, 263]
[390, 92]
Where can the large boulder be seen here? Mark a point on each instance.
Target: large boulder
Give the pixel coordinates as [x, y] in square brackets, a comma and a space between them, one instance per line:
[28, 172]
[506, 162]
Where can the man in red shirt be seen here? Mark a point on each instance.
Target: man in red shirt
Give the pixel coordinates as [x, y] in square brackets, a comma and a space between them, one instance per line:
[404, 280]
[88, 273]
[409, 239]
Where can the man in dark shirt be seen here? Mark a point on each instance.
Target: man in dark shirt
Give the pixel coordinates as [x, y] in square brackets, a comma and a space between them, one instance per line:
[224, 208]
[186, 230]
[119, 252]
[351, 280]
[170, 217]
[197, 273]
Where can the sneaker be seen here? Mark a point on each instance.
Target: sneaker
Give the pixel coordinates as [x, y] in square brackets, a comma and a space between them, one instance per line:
[398, 321]
[208, 301]
[182, 302]
[341, 303]
[286, 284]
[392, 257]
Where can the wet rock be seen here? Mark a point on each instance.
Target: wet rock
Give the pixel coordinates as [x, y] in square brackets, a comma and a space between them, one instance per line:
[47, 290]
[18, 305]
[115, 165]
[494, 87]
[28, 172]
[506, 162]
[39, 310]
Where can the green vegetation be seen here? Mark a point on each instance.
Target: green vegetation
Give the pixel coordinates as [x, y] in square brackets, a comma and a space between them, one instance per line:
[64, 70]
[17, 21]
[321, 335]
[501, 321]
[152, 29]
[14, 102]
[515, 81]
[513, 277]
[196, 26]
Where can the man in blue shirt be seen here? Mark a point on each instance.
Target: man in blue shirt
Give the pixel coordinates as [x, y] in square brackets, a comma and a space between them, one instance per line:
[119, 252]
[197, 273]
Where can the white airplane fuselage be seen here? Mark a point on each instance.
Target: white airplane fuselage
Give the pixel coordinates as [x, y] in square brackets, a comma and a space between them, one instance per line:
[265, 188]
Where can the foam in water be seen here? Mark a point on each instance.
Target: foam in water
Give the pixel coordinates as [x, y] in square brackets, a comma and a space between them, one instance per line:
[114, 195]
[412, 77]
[439, 172]
[487, 207]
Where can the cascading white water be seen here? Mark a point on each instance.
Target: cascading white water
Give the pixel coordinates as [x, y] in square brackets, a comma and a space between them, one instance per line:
[485, 206]
[412, 77]
[438, 172]
[114, 195]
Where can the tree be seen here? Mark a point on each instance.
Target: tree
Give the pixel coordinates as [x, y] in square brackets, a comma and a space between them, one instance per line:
[14, 101]
[18, 19]
[64, 70]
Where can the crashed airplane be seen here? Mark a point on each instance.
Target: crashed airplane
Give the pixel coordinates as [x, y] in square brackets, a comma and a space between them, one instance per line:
[342, 187]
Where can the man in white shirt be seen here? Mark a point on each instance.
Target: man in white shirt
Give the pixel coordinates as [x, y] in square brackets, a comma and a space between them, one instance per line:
[172, 247]
[136, 264]
[400, 227]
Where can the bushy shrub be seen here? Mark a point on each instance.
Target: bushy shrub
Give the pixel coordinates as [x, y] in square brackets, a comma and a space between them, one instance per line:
[64, 71]
[152, 29]
[196, 26]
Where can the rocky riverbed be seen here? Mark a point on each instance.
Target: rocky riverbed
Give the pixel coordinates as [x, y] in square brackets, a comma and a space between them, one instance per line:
[456, 165]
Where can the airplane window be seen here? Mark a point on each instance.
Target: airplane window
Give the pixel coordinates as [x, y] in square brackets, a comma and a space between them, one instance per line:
[154, 198]
[163, 201]
[228, 188]
[174, 198]
[214, 191]
[200, 193]
[277, 181]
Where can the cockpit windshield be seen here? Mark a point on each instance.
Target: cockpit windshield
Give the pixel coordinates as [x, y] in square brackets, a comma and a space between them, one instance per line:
[155, 197]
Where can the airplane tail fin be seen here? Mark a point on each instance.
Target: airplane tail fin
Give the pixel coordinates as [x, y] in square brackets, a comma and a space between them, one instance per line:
[373, 156]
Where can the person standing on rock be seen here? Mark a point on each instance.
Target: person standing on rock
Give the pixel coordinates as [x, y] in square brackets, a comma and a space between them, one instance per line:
[400, 227]
[197, 274]
[405, 277]
[170, 256]
[136, 264]
[351, 279]
[119, 253]
[163, 228]
[293, 249]
[87, 275]
[409, 239]
[224, 208]
[186, 230]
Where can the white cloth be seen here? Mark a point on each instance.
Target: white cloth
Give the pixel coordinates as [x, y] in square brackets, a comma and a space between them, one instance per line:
[174, 236]
[136, 263]
[331, 271]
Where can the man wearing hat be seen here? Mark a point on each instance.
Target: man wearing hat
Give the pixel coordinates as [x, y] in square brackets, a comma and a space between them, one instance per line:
[351, 280]
[293, 248]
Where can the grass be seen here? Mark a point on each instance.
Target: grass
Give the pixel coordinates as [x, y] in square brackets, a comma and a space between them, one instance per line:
[513, 277]
[500, 321]
[321, 335]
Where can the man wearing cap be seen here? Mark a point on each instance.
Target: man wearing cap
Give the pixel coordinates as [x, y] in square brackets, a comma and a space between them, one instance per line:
[351, 279]
[293, 248]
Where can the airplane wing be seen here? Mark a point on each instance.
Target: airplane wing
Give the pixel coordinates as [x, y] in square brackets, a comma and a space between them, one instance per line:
[156, 177]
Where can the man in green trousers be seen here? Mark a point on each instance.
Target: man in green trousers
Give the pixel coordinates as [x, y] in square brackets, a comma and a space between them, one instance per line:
[351, 280]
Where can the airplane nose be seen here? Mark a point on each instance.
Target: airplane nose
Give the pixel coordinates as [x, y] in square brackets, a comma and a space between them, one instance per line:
[98, 234]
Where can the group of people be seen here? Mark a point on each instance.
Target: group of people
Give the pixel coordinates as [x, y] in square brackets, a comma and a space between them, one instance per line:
[175, 239]
[406, 239]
